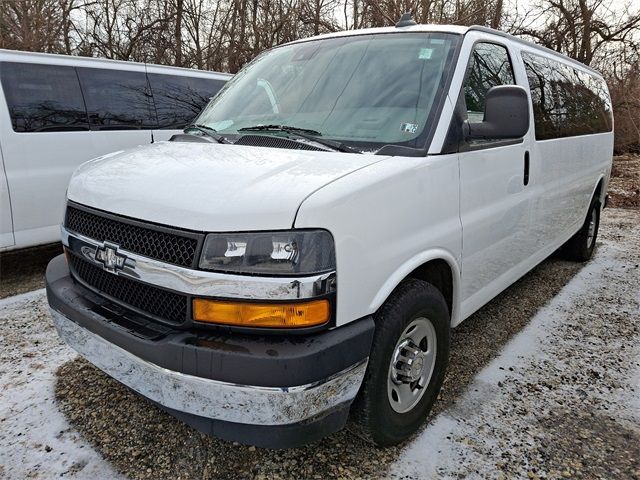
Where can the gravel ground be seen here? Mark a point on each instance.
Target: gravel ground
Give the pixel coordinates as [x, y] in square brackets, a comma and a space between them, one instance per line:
[563, 398]
[624, 186]
[23, 271]
[141, 441]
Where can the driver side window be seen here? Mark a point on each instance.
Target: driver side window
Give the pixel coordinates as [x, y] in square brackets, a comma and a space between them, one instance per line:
[489, 67]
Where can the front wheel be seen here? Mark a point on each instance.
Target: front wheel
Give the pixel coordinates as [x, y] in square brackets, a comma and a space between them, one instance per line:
[407, 364]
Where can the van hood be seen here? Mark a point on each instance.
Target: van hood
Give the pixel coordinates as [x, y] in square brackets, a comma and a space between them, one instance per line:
[210, 187]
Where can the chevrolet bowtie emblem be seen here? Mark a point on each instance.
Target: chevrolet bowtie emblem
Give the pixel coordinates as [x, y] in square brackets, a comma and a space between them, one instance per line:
[109, 257]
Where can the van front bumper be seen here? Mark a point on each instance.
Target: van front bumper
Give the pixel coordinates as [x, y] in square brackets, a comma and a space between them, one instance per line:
[270, 391]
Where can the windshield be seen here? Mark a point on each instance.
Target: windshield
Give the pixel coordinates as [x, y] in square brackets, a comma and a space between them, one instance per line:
[369, 90]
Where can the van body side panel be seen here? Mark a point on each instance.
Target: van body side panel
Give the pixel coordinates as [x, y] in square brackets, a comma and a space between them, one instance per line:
[563, 174]
[570, 169]
[387, 219]
[6, 221]
[39, 166]
[495, 203]
[495, 208]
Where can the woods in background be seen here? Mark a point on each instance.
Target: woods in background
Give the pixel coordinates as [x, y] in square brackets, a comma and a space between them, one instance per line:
[223, 35]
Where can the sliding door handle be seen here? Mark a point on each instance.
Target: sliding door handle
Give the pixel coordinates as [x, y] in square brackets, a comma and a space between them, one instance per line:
[526, 168]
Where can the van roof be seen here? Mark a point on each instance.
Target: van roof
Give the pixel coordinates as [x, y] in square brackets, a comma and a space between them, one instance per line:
[455, 29]
[20, 56]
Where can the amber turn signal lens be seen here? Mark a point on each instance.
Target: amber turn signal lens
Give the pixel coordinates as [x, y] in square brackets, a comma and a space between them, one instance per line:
[266, 315]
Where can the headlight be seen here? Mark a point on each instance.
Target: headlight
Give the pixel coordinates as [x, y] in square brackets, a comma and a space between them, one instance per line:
[293, 253]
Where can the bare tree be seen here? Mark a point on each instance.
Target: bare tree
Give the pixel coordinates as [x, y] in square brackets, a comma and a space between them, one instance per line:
[36, 25]
[129, 29]
[623, 78]
[583, 28]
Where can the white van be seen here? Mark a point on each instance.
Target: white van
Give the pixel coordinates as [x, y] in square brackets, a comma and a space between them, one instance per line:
[347, 201]
[58, 111]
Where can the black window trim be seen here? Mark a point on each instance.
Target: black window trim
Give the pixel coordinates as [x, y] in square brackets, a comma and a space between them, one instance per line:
[491, 42]
[455, 141]
[189, 77]
[3, 63]
[89, 126]
[148, 94]
[84, 100]
[570, 64]
[533, 46]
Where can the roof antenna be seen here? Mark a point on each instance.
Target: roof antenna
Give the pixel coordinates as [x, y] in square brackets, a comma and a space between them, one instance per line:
[406, 21]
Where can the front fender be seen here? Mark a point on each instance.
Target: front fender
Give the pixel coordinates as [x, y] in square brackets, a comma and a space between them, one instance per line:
[415, 262]
[387, 219]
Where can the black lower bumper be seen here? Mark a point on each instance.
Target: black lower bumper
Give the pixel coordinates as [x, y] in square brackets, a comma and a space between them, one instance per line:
[247, 360]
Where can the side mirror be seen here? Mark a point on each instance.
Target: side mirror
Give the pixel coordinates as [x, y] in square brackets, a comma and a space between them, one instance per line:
[506, 114]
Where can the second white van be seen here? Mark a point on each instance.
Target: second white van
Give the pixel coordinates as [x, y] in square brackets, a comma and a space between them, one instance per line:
[58, 111]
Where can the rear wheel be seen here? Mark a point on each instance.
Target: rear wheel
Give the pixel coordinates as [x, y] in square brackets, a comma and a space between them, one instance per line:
[580, 247]
[407, 364]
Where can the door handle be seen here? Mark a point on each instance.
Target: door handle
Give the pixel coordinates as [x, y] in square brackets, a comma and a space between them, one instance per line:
[526, 168]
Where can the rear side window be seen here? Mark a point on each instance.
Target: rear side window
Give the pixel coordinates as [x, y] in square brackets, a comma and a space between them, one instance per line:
[566, 101]
[489, 67]
[117, 99]
[180, 99]
[43, 98]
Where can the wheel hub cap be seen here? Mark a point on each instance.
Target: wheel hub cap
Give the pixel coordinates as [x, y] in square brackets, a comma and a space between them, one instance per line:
[409, 362]
[412, 364]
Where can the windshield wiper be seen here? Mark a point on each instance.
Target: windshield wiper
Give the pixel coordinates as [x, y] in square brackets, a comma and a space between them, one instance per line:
[208, 131]
[280, 128]
[306, 133]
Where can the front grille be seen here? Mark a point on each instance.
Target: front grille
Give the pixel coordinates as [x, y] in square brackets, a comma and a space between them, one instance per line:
[168, 306]
[151, 241]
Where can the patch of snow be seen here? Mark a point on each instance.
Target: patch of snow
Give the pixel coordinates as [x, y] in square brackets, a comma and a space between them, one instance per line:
[36, 441]
[7, 303]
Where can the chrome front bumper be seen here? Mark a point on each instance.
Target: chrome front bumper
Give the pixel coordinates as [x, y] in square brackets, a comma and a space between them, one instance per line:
[246, 404]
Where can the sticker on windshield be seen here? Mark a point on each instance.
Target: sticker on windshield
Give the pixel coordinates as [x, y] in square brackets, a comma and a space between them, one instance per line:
[425, 53]
[409, 127]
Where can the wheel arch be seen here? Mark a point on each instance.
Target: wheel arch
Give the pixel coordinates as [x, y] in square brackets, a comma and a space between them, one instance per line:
[438, 267]
[599, 190]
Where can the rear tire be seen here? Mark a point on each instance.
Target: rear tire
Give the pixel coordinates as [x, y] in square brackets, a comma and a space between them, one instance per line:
[580, 247]
[407, 364]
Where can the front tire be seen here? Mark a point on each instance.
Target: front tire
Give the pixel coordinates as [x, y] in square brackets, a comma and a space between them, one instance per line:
[408, 360]
[580, 247]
